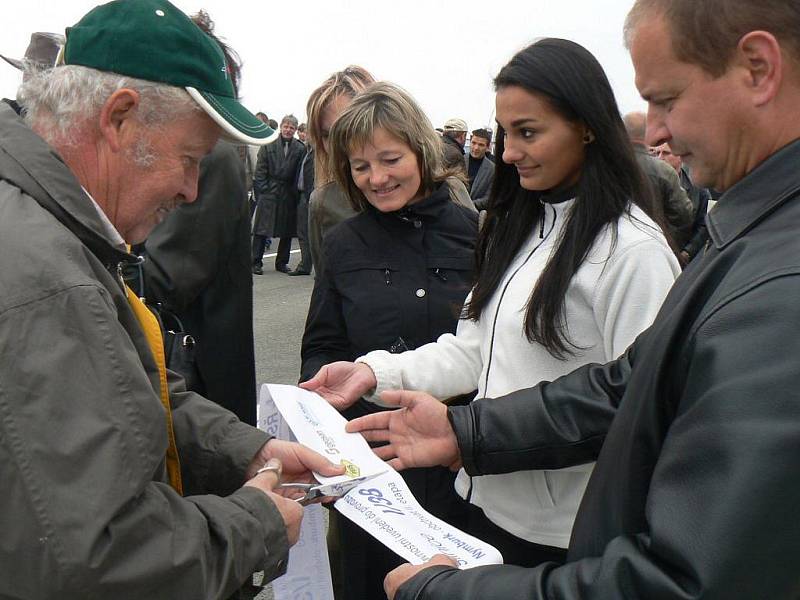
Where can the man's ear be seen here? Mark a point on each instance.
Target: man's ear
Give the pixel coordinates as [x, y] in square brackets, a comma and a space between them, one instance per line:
[759, 52]
[117, 120]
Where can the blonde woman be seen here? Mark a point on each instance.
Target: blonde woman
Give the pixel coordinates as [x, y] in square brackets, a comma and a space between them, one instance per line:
[395, 277]
[329, 205]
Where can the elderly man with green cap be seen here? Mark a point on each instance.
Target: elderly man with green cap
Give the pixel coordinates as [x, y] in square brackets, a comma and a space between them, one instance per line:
[117, 482]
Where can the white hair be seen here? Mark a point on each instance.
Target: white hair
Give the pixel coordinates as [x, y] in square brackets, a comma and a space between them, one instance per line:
[58, 101]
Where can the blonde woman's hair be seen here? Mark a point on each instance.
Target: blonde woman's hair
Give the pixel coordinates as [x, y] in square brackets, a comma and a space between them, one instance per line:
[349, 82]
[384, 106]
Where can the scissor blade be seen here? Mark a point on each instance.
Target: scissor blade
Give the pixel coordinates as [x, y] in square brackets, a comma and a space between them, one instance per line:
[342, 487]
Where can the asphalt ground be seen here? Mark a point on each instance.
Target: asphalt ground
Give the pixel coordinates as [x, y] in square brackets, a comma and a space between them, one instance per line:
[280, 304]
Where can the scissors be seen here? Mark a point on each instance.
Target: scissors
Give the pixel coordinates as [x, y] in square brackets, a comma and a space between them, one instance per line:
[315, 491]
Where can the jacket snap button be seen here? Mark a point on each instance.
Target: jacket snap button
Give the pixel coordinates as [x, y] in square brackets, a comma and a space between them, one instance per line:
[420, 293]
[417, 224]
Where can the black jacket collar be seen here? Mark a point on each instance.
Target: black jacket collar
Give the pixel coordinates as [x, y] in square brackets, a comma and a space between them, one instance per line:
[761, 191]
[429, 207]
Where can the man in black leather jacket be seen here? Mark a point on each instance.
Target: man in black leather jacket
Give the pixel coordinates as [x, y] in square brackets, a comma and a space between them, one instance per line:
[696, 428]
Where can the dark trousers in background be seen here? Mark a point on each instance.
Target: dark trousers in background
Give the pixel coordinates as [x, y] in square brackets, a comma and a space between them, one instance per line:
[260, 244]
[302, 235]
[282, 257]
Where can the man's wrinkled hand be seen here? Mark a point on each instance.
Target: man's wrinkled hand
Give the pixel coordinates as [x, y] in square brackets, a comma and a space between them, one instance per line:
[342, 383]
[403, 573]
[299, 462]
[291, 511]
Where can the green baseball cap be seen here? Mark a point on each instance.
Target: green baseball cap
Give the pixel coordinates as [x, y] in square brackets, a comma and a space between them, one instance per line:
[155, 41]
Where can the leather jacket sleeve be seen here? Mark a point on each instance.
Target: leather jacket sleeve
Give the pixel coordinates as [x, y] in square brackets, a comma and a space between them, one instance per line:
[551, 426]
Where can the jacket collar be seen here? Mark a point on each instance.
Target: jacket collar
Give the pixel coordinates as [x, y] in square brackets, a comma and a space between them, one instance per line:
[29, 163]
[430, 206]
[760, 192]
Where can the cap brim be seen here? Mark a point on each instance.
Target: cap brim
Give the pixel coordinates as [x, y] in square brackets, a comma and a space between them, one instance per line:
[238, 124]
[17, 64]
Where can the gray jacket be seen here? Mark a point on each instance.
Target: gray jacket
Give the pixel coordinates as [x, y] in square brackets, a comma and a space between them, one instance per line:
[86, 511]
[482, 184]
[666, 185]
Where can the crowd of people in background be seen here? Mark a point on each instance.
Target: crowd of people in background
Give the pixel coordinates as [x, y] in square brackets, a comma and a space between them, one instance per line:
[286, 212]
[573, 331]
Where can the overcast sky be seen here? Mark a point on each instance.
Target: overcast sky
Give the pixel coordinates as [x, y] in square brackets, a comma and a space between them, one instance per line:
[445, 52]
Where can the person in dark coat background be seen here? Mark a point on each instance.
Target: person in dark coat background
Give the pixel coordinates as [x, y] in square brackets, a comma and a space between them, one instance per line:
[197, 264]
[480, 168]
[454, 136]
[275, 181]
[664, 181]
[699, 196]
[305, 185]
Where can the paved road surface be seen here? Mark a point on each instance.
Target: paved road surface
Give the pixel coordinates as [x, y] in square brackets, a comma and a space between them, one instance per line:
[280, 304]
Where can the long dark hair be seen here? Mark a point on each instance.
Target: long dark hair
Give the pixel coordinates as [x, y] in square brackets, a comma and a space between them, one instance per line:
[571, 80]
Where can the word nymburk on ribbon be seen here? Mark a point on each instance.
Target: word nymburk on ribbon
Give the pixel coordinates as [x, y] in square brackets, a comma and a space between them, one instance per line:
[383, 506]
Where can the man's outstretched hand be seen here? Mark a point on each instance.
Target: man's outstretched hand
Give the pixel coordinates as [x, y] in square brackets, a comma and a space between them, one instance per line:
[418, 434]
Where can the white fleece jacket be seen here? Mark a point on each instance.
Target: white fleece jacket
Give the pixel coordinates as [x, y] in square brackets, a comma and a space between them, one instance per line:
[612, 298]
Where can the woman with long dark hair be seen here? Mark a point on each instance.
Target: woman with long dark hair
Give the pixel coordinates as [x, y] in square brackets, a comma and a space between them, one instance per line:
[572, 265]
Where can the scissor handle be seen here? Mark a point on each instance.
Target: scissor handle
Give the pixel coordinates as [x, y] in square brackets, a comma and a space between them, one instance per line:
[300, 486]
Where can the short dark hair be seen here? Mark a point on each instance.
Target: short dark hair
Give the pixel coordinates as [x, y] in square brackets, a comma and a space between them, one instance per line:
[301, 128]
[482, 133]
[706, 33]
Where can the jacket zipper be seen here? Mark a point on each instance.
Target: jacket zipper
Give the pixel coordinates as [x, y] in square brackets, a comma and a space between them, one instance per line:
[505, 288]
[387, 275]
[541, 221]
[497, 312]
[439, 274]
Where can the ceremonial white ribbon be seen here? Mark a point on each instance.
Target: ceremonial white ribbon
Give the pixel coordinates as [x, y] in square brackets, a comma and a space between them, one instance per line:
[383, 506]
